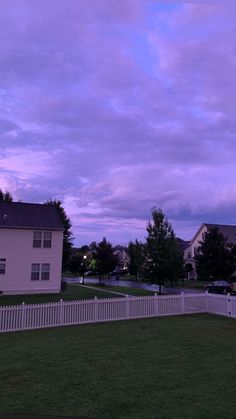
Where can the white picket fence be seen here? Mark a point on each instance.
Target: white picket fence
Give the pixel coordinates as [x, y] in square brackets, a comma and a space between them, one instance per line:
[64, 313]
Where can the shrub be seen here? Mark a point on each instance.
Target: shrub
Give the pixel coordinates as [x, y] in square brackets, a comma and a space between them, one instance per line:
[63, 286]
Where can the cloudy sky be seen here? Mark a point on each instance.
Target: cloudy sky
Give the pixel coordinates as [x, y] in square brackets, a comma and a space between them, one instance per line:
[117, 106]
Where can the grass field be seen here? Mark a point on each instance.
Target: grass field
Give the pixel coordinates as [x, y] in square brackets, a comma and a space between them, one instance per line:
[73, 292]
[200, 285]
[166, 368]
[129, 291]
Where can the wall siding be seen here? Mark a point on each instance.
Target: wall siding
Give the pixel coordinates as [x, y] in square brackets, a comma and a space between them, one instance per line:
[16, 245]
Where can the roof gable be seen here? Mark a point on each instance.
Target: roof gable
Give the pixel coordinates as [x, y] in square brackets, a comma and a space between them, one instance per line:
[27, 215]
[227, 230]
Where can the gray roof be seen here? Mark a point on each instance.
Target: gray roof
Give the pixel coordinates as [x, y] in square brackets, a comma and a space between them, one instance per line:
[227, 230]
[24, 215]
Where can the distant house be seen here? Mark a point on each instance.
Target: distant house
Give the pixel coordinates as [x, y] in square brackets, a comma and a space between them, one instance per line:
[122, 257]
[228, 231]
[31, 241]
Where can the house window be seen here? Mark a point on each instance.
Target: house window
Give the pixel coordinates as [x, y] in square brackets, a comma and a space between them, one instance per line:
[37, 239]
[45, 274]
[47, 239]
[2, 266]
[35, 270]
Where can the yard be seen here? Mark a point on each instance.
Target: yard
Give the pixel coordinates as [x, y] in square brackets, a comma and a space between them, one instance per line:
[165, 368]
[73, 292]
[128, 290]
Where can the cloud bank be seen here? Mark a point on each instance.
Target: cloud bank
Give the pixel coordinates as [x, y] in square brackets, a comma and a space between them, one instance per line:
[116, 107]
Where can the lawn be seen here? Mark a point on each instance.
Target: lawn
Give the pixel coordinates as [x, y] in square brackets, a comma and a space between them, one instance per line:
[73, 292]
[167, 368]
[188, 283]
[129, 291]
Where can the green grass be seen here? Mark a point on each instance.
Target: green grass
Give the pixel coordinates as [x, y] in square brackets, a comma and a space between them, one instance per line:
[129, 291]
[73, 292]
[166, 368]
[188, 283]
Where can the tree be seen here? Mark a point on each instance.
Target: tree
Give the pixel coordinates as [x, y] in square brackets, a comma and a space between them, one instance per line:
[164, 260]
[136, 254]
[105, 261]
[216, 257]
[67, 234]
[188, 269]
[75, 263]
[5, 196]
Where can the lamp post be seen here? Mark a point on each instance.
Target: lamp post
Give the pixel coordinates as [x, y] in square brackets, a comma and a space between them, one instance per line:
[84, 260]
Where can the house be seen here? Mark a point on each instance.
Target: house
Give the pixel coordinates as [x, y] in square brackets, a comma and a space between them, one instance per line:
[122, 257]
[228, 231]
[31, 242]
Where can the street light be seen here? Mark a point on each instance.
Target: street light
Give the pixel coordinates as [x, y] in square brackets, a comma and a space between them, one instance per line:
[84, 257]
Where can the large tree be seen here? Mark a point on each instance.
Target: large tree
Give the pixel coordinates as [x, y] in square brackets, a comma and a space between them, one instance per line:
[67, 234]
[136, 252]
[5, 196]
[105, 260]
[164, 260]
[75, 263]
[216, 257]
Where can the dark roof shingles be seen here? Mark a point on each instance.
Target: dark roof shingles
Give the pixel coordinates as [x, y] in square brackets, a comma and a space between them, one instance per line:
[227, 230]
[25, 215]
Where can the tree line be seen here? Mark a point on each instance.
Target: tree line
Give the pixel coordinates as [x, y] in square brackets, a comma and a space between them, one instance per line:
[158, 260]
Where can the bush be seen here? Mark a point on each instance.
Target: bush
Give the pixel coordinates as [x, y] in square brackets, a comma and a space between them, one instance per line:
[63, 286]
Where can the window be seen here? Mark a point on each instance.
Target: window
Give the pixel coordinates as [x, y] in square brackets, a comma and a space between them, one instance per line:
[35, 270]
[40, 271]
[37, 239]
[2, 266]
[47, 239]
[45, 274]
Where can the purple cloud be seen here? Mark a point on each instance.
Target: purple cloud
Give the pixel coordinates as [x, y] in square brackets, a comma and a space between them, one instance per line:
[117, 107]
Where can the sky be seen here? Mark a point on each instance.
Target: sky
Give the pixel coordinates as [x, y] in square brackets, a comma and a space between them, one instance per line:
[118, 106]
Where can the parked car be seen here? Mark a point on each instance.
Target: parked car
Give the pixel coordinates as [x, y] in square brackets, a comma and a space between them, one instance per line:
[223, 287]
[118, 272]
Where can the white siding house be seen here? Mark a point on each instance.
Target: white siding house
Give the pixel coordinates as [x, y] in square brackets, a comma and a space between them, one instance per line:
[31, 241]
[228, 231]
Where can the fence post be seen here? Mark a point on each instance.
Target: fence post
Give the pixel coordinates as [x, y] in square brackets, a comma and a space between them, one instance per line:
[156, 304]
[206, 301]
[95, 309]
[61, 311]
[127, 307]
[229, 309]
[23, 316]
[182, 302]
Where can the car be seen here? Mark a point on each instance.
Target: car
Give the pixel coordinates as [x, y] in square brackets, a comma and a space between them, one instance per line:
[223, 287]
[118, 272]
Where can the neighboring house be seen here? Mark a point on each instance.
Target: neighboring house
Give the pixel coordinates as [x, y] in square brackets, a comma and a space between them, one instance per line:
[228, 231]
[182, 244]
[31, 242]
[122, 257]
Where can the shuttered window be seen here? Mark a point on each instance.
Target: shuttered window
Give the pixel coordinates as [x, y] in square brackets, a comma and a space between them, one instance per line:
[45, 274]
[2, 266]
[47, 239]
[35, 271]
[37, 241]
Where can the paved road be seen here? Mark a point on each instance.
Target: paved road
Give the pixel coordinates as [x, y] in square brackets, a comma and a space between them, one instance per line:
[131, 284]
